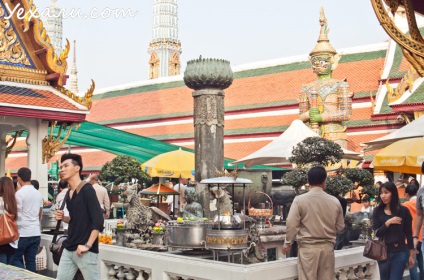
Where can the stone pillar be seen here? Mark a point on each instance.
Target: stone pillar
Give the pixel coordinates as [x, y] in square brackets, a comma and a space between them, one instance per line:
[208, 78]
[37, 130]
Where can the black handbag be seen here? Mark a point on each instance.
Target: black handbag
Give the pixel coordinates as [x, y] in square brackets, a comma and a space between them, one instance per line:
[56, 247]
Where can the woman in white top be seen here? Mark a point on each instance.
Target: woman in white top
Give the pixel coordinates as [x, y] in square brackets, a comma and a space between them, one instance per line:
[8, 203]
[62, 188]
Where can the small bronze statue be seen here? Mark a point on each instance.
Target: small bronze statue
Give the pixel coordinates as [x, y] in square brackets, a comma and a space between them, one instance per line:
[192, 209]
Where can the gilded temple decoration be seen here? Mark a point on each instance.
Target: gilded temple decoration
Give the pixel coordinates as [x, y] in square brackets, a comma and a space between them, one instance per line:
[17, 62]
[52, 145]
[55, 64]
[393, 94]
[154, 66]
[163, 42]
[86, 100]
[412, 45]
[11, 141]
[225, 173]
[372, 103]
[327, 102]
[11, 50]
[174, 64]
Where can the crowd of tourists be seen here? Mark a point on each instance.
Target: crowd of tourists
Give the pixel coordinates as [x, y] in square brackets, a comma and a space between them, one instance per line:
[86, 208]
[398, 225]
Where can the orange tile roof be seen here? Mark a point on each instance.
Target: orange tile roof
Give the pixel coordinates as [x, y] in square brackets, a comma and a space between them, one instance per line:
[37, 96]
[229, 124]
[244, 123]
[362, 76]
[93, 160]
[172, 100]
[240, 150]
[354, 141]
[404, 65]
[361, 114]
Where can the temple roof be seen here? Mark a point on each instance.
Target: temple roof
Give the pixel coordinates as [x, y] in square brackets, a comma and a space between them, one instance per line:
[263, 85]
[39, 101]
[32, 74]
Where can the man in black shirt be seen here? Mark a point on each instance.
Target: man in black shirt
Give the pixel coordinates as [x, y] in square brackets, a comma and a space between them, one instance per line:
[85, 222]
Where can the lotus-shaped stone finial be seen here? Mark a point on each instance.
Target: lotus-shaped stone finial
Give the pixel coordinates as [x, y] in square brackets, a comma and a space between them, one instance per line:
[204, 73]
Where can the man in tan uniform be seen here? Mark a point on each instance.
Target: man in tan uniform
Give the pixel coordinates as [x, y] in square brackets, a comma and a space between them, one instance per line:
[313, 221]
[102, 195]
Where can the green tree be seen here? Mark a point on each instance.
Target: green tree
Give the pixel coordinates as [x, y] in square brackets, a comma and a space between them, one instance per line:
[311, 151]
[316, 150]
[295, 178]
[123, 169]
[361, 176]
[338, 185]
[365, 179]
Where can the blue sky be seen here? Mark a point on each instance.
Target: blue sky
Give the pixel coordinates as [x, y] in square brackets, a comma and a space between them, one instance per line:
[114, 51]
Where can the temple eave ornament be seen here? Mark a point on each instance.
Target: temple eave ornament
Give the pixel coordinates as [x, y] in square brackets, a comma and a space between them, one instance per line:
[412, 45]
[52, 145]
[10, 73]
[85, 101]
[55, 64]
[405, 85]
[12, 141]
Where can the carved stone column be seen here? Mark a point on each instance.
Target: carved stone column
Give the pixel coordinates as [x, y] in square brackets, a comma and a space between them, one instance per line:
[208, 78]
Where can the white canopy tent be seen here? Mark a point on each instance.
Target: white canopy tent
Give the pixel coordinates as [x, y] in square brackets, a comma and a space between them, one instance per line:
[279, 150]
[414, 129]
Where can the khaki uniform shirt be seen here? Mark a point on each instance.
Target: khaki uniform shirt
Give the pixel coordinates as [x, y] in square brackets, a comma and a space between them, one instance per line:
[314, 217]
[103, 197]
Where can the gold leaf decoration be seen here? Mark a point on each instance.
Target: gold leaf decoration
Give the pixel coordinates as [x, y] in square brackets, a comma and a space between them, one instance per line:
[11, 50]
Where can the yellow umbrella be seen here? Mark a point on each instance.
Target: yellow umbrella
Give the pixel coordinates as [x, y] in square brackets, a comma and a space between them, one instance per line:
[175, 164]
[403, 156]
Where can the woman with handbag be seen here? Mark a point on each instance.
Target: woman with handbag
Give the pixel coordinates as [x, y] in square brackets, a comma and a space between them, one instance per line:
[392, 223]
[8, 203]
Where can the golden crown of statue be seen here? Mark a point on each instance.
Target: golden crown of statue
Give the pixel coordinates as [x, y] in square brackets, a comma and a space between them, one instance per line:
[323, 46]
[225, 173]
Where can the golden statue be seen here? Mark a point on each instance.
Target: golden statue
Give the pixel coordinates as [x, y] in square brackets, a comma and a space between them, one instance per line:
[327, 102]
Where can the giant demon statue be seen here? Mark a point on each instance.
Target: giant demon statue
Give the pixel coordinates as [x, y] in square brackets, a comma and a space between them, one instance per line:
[327, 102]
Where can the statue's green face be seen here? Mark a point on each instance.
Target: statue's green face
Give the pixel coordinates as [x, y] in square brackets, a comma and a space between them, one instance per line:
[321, 65]
[190, 195]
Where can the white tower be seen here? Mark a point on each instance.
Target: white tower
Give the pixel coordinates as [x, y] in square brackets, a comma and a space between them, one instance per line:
[73, 77]
[165, 48]
[53, 24]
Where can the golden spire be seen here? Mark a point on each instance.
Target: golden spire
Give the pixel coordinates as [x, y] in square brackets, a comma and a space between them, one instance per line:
[323, 46]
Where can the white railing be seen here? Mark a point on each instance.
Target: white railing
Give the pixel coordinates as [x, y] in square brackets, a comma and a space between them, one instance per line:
[125, 263]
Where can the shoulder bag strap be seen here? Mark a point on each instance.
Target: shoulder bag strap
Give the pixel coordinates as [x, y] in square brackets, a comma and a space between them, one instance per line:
[56, 231]
[83, 182]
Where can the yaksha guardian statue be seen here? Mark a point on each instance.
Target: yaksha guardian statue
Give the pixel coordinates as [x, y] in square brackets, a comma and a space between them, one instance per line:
[327, 102]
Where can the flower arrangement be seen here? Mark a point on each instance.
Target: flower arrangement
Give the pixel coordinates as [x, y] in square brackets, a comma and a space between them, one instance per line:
[121, 223]
[159, 227]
